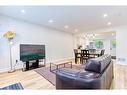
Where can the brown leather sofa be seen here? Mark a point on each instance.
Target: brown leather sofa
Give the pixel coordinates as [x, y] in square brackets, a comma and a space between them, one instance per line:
[97, 74]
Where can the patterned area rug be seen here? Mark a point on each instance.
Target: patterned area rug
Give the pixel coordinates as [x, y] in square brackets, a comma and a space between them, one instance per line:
[16, 86]
[45, 72]
[50, 76]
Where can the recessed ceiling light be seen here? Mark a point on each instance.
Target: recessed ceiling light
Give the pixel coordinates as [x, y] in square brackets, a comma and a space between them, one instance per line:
[50, 21]
[109, 23]
[76, 30]
[105, 15]
[23, 11]
[66, 26]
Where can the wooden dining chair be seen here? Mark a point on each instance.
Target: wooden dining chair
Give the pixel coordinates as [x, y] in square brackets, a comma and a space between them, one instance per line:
[102, 52]
[77, 55]
[92, 53]
[84, 55]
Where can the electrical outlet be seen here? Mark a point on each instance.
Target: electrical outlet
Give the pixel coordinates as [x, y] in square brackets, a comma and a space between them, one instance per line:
[122, 59]
[16, 61]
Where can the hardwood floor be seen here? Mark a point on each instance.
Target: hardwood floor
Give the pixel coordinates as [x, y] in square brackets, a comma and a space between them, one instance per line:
[29, 80]
[32, 80]
[120, 76]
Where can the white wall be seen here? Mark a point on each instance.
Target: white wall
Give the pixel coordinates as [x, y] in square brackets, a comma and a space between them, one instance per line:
[121, 48]
[59, 45]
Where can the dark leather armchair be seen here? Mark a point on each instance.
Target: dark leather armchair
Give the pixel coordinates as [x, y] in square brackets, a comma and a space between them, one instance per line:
[97, 74]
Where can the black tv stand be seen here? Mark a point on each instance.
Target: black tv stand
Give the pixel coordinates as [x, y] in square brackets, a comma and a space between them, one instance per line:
[33, 65]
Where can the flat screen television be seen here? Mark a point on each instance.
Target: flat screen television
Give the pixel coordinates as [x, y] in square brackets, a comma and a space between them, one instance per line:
[30, 52]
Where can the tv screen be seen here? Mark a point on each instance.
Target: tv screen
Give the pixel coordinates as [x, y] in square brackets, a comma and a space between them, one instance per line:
[30, 52]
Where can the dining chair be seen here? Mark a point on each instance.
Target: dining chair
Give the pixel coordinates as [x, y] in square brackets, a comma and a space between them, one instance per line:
[92, 50]
[92, 53]
[102, 52]
[84, 55]
[77, 55]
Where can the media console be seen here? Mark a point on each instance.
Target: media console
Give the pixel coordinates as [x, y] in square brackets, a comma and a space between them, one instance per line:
[33, 64]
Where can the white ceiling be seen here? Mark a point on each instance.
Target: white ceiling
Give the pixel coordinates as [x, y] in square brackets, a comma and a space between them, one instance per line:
[83, 18]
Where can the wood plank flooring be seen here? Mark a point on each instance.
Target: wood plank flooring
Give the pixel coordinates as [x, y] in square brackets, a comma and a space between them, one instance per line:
[32, 80]
[120, 76]
[29, 80]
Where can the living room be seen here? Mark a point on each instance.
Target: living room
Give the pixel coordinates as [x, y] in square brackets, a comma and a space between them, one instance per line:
[61, 30]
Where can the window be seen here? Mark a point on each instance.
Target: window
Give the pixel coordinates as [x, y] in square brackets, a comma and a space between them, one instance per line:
[113, 43]
[99, 44]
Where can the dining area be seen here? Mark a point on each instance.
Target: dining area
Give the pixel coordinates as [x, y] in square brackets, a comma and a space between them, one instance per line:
[83, 55]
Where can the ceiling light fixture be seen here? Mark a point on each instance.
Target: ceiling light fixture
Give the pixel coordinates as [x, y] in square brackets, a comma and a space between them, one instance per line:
[23, 11]
[109, 23]
[66, 26]
[105, 15]
[50, 21]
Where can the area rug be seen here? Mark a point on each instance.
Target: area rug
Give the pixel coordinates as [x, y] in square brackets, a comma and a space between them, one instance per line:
[45, 72]
[16, 86]
[50, 76]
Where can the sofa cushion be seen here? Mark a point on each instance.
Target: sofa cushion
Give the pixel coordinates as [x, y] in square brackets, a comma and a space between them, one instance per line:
[99, 64]
[88, 75]
[93, 65]
[68, 71]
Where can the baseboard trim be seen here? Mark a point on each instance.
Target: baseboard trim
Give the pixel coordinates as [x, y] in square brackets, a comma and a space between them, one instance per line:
[20, 67]
[121, 63]
[4, 70]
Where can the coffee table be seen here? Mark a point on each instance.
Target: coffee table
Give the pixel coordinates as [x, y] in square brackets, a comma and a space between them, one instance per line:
[54, 67]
